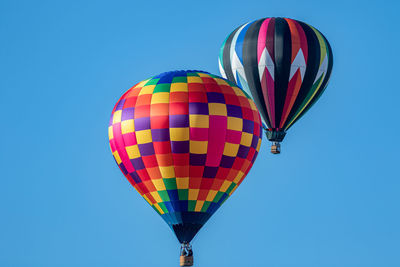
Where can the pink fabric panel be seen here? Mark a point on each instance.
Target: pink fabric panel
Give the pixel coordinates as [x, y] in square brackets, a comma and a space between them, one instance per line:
[216, 140]
[262, 36]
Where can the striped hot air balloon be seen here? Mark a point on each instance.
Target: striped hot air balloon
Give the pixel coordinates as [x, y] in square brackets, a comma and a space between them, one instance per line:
[185, 140]
[284, 64]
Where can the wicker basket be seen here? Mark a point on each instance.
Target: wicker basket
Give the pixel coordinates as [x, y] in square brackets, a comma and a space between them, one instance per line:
[186, 260]
[275, 149]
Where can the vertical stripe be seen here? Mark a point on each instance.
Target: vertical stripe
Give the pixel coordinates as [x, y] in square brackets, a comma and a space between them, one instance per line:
[313, 60]
[283, 51]
[236, 57]
[266, 68]
[250, 63]
[144, 175]
[226, 56]
[221, 58]
[297, 68]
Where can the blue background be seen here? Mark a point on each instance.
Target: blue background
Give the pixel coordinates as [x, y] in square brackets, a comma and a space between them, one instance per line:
[330, 199]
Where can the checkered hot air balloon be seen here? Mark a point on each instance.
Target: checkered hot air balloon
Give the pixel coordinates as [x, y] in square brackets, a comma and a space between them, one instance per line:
[185, 140]
[284, 64]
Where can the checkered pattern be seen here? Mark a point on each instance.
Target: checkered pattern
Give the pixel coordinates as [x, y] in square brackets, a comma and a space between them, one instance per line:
[185, 140]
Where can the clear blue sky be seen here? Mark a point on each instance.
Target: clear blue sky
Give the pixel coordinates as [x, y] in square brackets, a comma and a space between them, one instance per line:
[330, 199]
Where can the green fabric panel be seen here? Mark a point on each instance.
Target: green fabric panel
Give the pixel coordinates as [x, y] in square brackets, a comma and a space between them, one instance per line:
[164, 195]
[230, 188]
[152, 81]
[179, 79]
[191, 205]
[155, 209]
[218, 196]
[170, 183]
[162, 87]
[163, 207]
[233, 84]
[205, 206]
[183, 194]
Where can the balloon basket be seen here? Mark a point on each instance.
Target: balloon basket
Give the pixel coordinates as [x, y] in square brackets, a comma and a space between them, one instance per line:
[186, 258]
[275, 148]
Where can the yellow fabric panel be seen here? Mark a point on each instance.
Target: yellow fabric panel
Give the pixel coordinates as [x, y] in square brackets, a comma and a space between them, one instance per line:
[193, 193]
[199, 205]
[217, 109]
[179, 87]
[182, 182]
[239, 92]
[235, 124]
[225, 186]
[117, 157]
[147, 199]
[133, 151]
[258, 145]
[127, 126]
[179, 134]
[246, 139]
[158, 98]
[142, 83]
[148, 89]
[143, 137]
[117, 116]
[156, 196]
[167, 172]
[110, 133]
[253, 106]
[198, 147]
[158, 208]
[220, 81]
[199, 121]
[203, 74]
[192, 79]
[238, 177]
[159, 184]
[211, 195]
[231, 149]
[321, 41]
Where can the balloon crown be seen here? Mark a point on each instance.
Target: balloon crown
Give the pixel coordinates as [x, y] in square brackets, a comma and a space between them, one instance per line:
[178, 73]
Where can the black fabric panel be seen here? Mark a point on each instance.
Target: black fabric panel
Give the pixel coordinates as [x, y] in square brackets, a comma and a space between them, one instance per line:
[250, 65]
[314, 55]
[192, 222]
[275, 136]
[226, 58]
[329, 70]
[283, 54]
[186, 232]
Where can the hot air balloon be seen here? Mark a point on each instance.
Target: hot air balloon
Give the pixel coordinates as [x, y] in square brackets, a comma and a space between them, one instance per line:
[284, 64]
[185, 140]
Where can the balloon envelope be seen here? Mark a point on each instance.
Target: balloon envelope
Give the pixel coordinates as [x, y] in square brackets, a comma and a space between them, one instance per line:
[185, 140]
[284, 64]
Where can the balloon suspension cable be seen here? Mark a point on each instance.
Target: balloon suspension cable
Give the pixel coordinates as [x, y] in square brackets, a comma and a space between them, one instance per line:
[186, 258]
[276, 148]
